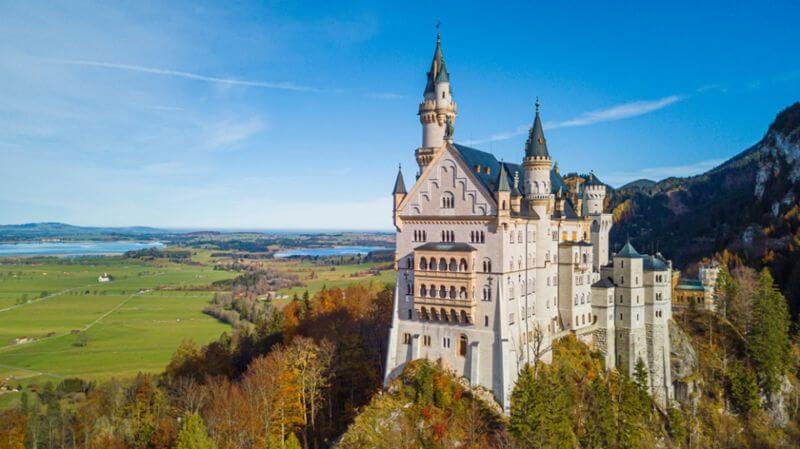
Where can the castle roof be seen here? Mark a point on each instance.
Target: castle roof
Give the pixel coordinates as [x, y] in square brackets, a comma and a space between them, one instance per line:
[629, 252]
[399, 185]
[603, 283]
[478, 161]
[654, 263]
[536, 146]
[502, 179]
[438, 72]
[442, 246]
[593, 181]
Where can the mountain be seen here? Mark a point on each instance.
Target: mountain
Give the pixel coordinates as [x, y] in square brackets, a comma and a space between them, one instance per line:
[30, 231]
[747, 206]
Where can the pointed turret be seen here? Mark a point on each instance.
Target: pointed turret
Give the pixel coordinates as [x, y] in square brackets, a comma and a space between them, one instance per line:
[536, 146]
[502, 182]
[437, 112]
[399, 185]
[503, 194]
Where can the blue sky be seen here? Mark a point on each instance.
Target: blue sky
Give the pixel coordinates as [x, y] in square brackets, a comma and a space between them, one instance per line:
[295, 115]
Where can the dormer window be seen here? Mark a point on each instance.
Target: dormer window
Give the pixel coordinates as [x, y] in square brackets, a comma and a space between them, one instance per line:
[488, 171]
[477, 169]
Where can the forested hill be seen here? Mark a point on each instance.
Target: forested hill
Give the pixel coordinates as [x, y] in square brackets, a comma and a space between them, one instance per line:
[747, 206]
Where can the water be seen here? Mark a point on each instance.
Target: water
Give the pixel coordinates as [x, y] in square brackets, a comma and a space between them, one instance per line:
[328, 252]
[72, 248]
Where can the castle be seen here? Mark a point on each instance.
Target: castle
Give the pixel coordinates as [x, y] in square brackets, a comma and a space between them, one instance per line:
[495, 261]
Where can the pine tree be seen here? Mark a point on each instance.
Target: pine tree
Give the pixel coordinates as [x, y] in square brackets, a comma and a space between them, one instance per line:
[193, 434]
[743, 389]
[540, 410]
[292, 442]
[768, 339]
[600, 430]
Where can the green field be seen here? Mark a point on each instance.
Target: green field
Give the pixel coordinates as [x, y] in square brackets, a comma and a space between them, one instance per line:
[131, 324]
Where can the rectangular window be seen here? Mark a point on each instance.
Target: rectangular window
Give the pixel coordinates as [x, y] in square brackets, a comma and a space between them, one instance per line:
[426, 340]
[445, 342]
[406, 338]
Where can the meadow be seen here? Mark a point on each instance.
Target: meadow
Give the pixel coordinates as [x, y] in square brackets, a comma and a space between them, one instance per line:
[80, 327]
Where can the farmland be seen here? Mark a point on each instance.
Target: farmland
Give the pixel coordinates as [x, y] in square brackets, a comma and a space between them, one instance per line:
[58, 321]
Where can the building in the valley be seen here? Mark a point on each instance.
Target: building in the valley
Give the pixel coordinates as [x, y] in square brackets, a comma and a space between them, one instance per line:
[495, 260]
[701, 292]
[104, 278]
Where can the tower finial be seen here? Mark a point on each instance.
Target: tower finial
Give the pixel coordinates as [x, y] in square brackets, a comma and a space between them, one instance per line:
[537, 104]
[438, 31]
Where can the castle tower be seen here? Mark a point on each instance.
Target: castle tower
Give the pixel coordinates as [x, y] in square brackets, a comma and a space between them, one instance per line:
[594, 195]
[437, 112]
[537, 165]
[628, 277]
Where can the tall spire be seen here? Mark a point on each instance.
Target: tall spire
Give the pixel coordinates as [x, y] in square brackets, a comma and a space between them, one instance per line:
[536, 146]
[399, 185]
[438, 72]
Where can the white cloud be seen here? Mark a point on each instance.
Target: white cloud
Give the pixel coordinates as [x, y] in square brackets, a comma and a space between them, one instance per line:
[618, 112]
[614, 113]
[658, 173]
[228, 133]
[189, 75]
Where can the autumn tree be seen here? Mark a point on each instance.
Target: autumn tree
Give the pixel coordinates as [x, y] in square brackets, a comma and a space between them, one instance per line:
[193, 434]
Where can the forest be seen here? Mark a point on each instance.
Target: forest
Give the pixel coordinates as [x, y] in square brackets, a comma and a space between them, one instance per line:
[311, 377]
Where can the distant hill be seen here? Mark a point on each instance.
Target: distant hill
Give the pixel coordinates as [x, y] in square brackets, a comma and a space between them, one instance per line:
[748, 205]
[29, 231]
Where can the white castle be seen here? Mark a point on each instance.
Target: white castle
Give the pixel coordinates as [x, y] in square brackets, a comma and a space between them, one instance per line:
[496, 260]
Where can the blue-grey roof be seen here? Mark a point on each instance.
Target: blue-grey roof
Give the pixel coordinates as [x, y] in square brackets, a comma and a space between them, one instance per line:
[477, 158]
[690, 284]
[653, 263]
[502, 180]
[536, 146]
[603, 283]
[399, 185]
[628, 251]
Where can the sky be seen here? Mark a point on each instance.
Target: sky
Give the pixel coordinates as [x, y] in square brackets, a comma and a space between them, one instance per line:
[295, 115]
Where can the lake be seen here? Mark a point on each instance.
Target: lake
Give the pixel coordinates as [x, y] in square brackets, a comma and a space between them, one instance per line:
[73, 248]
[327, 252]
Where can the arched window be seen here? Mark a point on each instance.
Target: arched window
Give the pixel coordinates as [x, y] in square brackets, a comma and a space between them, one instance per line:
[444, 315]
[442, 264]
[462, 294]
[423, 291]
[453, 316]
[452, 292]
[585, 258]
[462, 266]
[453, 265]
[423, 263]
[483, 237]
[432, 291]
[462, 345]
[442, 291]
[576, 299]
[448, 200]
[464, 317]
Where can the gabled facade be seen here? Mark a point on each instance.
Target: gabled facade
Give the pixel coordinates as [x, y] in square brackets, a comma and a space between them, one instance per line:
[496, 260]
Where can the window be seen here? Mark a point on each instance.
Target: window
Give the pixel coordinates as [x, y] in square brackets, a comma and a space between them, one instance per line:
[510, 318]
[406, 338]
[462, 345]
[426, 340]
[409, 289]
[409, 314]
[423, 263]
[446, 342]
[519, 237]
[486, 320]
[448, 200]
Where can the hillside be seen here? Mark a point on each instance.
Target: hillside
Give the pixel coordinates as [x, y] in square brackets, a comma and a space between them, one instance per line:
[747, 206]
[29, 231]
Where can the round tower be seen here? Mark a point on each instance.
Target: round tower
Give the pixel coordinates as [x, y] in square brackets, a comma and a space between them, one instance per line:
[594, 195]
[537, 165]
[437, 108]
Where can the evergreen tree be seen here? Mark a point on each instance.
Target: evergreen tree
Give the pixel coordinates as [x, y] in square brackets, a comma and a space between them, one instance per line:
[193, 434]
[743, 389]
[631, 413]
[640, 375]
[540, 410]
[600, 430]
[292, 442]
[768, 339]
